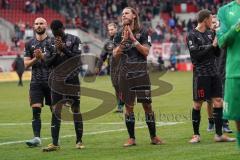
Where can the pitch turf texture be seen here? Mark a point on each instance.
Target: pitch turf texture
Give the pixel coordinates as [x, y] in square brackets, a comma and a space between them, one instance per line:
[105, 135]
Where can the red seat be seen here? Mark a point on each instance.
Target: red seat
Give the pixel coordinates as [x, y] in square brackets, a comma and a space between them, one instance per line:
[17, 13]
[3, 47]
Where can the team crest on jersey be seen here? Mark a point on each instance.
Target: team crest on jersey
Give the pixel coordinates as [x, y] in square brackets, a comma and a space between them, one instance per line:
[210, 37]
[68, 43]
[138, 35]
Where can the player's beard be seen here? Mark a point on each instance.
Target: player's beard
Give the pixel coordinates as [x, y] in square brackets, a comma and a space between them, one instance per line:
[40, 32]
[127, 22]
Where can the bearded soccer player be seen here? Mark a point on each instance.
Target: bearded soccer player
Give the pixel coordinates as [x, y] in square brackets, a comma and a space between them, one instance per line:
[131, 49]
[65, 47]
[229, 38]
[107, 52]
[207, 85]
[39, 89]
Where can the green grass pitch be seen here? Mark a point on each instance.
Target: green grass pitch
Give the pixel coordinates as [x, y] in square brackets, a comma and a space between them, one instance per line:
[105, 135]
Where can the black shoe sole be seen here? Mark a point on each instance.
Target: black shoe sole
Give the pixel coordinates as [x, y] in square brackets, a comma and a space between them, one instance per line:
[32, 145]
[228, 131]
[118, 111]
[49, 150]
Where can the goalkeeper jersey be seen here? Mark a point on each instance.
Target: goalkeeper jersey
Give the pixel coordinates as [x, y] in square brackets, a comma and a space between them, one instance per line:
[229, 36]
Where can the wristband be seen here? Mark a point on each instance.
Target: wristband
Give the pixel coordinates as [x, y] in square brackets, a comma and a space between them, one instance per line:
[136, 43]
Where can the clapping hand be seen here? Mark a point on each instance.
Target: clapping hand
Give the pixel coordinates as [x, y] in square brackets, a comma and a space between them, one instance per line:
[38, 53]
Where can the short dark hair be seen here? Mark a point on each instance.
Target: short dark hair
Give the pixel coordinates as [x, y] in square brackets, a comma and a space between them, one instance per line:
[203, 14]
[56, 24]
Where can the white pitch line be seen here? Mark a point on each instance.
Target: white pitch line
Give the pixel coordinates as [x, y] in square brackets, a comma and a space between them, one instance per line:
[67, 123]
[94, 133]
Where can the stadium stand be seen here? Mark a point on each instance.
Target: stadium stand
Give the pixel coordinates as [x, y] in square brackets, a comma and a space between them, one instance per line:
[167, 21]
[18, 11]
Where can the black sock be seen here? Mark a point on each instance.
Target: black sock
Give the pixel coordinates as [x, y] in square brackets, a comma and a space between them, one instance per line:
[217, 115]
[150, 120]
[36, 121]
[196, 118]
[55, 128]
[210, 120]
[130, 123]
[78, 125]
[120, 104]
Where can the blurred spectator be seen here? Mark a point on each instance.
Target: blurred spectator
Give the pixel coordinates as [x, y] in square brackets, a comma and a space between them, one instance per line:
[41, 5]
[171, 23]
[28, 6]
[17, 31]
[93, 16]
[22, 28]
[86, 48]
[161, 63]
[173, 61]
[34, 6]
[5, 4]
[15, 41]
[27, 26]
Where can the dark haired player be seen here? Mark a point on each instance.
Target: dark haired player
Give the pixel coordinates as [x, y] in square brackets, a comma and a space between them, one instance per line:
[114, 66]
[66, 46]
[207, 85]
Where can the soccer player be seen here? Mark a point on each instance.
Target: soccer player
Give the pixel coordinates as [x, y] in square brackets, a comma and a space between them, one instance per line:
[107, 52]
[132, 47]
[228, 37]
[39, 90]
[207, 85]
[66, 46]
